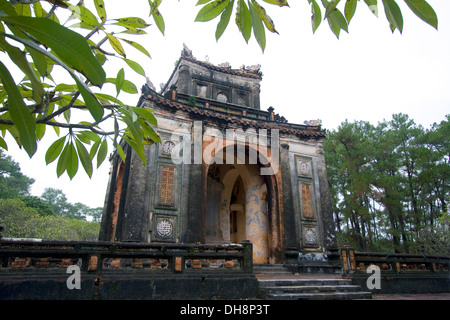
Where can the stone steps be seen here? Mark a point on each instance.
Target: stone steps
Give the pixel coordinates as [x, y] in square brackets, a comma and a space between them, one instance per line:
[278, 283]
[270, 269]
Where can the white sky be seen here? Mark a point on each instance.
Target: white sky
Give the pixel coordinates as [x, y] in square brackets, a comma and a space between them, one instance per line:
[369, 74]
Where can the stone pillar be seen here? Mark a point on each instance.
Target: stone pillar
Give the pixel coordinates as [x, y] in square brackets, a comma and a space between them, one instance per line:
[105, 225]
[192, 232]
[213, 200]
[329, 237]
[288, 205]
[136, 225]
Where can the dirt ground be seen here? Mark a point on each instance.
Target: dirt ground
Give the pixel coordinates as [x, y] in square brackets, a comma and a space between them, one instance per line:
[428, 296]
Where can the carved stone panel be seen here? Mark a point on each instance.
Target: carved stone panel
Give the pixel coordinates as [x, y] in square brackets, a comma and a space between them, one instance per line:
[310, 236]
[304, 167]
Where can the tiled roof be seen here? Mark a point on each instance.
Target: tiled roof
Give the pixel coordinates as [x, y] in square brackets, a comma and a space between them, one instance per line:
[299, 130]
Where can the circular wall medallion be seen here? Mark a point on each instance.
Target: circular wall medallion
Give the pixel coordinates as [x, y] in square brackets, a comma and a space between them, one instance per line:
[168, 147]
[164, 228]
[222, 97]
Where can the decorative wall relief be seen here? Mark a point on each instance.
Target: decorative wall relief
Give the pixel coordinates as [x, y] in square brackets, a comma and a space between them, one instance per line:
[310, 236]
[167, 147]
[304, 167]
[164, 228]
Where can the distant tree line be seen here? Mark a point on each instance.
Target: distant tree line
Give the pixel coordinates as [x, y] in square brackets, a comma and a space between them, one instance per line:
[390, 185]
[49, 216]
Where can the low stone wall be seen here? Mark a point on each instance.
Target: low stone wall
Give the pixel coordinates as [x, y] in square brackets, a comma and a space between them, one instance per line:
[397, 273]
[110, 270]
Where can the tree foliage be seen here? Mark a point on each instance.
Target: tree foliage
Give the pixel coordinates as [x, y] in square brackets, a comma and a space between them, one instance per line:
[250, 15]
[390, 184]
[21, 221]
[81, 39]
[53, 202]
[36, 41]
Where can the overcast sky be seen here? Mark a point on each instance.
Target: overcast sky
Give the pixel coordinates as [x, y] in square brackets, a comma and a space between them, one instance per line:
[369, 74]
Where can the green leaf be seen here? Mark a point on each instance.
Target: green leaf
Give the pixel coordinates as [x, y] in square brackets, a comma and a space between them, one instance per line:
[89, 135]
[373, 6]
[316, 17]
[115, 43]
[40, 62]
[85, 159]
[68, 45]
[40, 129]
[350, 9]
[211, 10]
[334, 27]
[393, 15]
[258, 27]
[134, 31]
[127, 86]
[154, 12]
[20, 115]
[265, 18]
[146, 114]
[54, 150]
[137, 46]
[92, 104]
[150, 136]
[108, 98]
[7, 8]
[331, 6]
[224, 20]
[336, 19]
[102, 152]
[100, 7]
[18, 57]
[119, 80]
[3, 144]
[280, 3]
[132, 23]
[23, 9]
[120, 151]
[72, 161]
[94, 149]
[424, 11]
[91, 101]
[84, 15]
[62, 161]
[65, 87]
[243, 20]
[135, 66]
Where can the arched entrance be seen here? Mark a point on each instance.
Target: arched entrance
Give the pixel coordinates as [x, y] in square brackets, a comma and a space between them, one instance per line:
[242, 204]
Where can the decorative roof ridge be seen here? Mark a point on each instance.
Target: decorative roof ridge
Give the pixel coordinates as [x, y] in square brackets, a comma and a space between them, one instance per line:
[245, 71]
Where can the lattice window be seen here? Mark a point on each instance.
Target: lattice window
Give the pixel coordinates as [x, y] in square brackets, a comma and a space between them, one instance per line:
[167, 181]
[307, 201]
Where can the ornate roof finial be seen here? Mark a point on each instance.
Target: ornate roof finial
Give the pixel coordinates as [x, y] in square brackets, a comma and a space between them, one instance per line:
[186, 52]
[317, 122]
[150, 84]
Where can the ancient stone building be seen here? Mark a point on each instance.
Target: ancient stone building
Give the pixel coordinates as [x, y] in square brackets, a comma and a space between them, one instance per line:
[225, 171]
